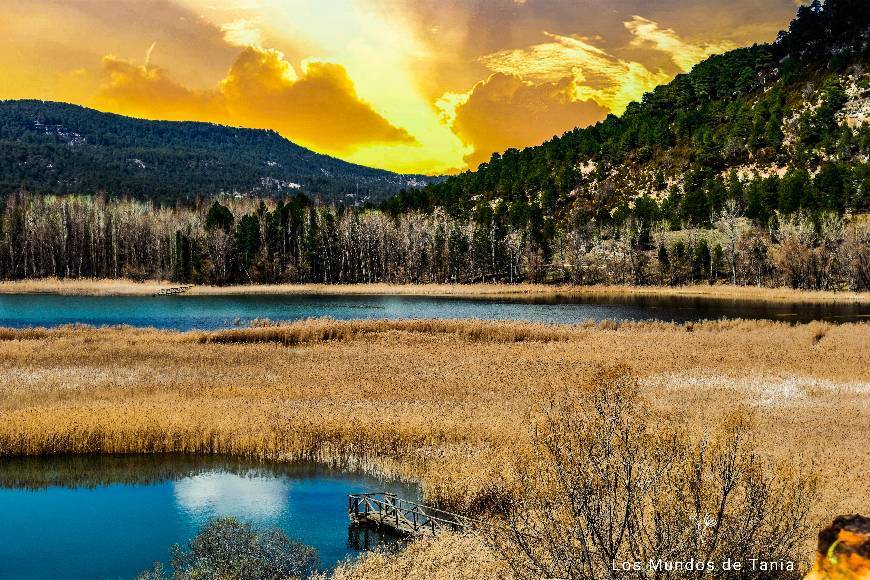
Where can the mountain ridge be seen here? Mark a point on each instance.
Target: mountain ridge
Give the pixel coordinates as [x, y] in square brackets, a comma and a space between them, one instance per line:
[61, 148]
[799, 102]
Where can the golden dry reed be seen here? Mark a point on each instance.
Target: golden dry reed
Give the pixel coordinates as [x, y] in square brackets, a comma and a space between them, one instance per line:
[419, 392]
[122, 287]
[444, 402]
[448, 557]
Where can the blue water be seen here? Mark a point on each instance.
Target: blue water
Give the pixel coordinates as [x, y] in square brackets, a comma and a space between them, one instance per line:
[211, 312]
[119, 525]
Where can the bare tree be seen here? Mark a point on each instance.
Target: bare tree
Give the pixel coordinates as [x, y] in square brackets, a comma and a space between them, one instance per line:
[729, 221]
[602, 494]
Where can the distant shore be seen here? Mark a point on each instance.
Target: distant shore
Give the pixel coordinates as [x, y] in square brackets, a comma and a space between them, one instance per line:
[90, 287]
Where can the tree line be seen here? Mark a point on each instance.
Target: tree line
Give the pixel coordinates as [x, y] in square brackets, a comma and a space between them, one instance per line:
[294, 240]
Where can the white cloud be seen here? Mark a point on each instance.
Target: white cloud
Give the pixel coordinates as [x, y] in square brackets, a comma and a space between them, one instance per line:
[599, 75]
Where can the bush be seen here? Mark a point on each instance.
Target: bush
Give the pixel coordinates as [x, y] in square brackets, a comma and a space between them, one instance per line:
[601, 486]
[226, 548]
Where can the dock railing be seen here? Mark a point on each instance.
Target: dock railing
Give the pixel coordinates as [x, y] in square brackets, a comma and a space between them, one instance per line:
[403, 516]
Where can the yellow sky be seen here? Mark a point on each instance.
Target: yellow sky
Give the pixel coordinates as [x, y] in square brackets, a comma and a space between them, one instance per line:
[408, 85]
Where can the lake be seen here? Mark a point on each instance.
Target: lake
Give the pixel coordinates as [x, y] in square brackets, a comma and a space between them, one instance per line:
[212, 312]
[112, 516]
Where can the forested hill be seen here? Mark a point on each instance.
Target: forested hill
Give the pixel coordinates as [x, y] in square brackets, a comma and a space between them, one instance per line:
[48, 147]
[779, 127]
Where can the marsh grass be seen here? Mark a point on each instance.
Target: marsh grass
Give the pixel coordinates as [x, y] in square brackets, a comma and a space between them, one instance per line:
[318, 330]
[447, 557]
[444, 402]
[122, 287]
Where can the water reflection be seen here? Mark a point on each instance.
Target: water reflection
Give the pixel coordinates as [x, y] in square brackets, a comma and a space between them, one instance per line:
[113, 516]
[229, 494]
[363, 539]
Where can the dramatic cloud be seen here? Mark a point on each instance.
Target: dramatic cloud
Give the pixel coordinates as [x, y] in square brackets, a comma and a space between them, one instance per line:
[180, 59]
[505, 111]
[597, 74]
[318, 107]
[648, 34]
[551, 87]
[147, 91]
[609, 81]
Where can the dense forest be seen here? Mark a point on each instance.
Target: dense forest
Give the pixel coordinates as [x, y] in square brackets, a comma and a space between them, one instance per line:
[56, 148]
[294, 240]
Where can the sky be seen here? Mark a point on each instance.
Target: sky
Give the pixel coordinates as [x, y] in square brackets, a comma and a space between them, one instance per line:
[423, 86]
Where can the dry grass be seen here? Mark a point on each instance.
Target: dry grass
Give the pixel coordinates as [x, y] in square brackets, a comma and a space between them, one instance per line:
[444, 402]
[327, 330]
[441, 401]
[82, 287]
[449, 557]
[718, 292]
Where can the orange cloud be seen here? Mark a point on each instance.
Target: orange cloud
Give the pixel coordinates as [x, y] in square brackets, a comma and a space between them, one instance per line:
[319, 107]
[149, 92]
[596, 74]
[566, 82]
[505, 111]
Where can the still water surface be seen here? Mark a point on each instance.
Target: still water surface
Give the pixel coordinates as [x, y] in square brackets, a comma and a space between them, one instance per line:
[113, 516]
[211, 312]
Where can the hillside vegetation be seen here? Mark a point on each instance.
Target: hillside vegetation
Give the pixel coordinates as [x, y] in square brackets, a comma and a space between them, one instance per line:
[56, 148]
[751, 169]
[779, 127]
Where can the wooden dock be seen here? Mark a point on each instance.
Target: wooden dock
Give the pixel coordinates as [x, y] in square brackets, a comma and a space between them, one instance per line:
[401, 516]
[174, 290]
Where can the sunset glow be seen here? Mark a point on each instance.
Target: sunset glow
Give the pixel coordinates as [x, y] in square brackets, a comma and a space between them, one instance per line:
[412, 86]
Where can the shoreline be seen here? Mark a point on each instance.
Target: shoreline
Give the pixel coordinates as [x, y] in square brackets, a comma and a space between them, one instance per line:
[106, 287]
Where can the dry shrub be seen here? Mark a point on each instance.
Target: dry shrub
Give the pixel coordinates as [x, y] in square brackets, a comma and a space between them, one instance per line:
[228, 548]
[601, 486]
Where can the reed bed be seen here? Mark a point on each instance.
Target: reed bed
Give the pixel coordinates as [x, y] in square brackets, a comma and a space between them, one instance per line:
[316, 330]
[123, 287]
[326, 330]
[446, 403]
[449, 557]
[440, 401]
